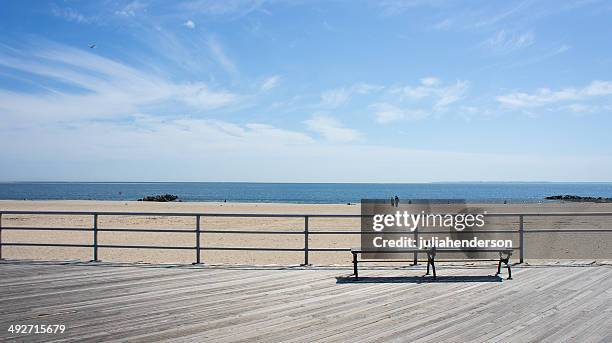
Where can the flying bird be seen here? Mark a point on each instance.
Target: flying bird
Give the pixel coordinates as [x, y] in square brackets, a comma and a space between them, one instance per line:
[92, 46]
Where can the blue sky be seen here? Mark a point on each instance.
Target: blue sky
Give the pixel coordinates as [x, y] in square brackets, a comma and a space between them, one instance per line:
[313, 91]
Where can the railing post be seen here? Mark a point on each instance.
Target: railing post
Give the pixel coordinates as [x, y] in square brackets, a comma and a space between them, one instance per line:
[521, 240]
[197, 240]
[1, 237]
[95, 238]
[305, 241]
[415, 260]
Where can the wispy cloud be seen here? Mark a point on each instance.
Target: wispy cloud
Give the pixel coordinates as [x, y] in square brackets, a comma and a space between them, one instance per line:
[78, 84]
[387, 113]
[433, 89]
[220, 56]
[503, 15]
[331, 129]
[396, 7]
[70, 14]
[506, 42]
[538, 58]
[131, 9]
[544, 96]
[337, 97]
[443, 24]
[270, 83]
[230, 8]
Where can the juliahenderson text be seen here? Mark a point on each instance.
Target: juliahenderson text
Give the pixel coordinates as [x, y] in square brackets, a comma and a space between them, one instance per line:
[446, 242]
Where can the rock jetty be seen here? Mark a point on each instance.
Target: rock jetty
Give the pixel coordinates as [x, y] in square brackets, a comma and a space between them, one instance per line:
[160, 198]
[576, 198]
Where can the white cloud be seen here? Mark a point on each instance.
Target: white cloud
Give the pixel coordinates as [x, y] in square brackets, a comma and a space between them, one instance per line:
[220, 56]
[430, 81]
[396, 7]
[505, 42]
[98, 87]
[494, 19]
[544, 96]
[331, 129]
[233, 8]
[387, 113]
[270, 83]
[394, 103]
[443, 25]
[71, 15]
[450, 94]
[131, 9]
[580, 108]
[598, 88]
[563, 48]
[433, 89]
[189, 24]
[337, 97]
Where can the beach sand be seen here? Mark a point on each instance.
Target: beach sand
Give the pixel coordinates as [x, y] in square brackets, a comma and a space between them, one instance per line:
[537, 245]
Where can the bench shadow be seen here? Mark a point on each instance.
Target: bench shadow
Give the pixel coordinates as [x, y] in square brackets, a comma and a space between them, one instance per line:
[417, 279]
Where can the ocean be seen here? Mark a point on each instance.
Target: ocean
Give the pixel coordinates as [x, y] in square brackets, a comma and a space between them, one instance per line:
[299, 192]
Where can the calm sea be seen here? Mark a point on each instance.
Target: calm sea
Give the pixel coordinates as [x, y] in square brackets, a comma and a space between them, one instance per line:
[298, 192]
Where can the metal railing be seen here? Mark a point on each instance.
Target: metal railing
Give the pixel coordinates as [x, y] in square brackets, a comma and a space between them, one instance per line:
[197, 231]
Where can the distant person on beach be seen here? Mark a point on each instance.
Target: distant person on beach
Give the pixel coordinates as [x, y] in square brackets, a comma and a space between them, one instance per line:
[396, 201]
[392, 202]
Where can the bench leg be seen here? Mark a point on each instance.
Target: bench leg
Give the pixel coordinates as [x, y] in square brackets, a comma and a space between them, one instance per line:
[433, 267]
[507, 262]
[431, 260]
[355, 271]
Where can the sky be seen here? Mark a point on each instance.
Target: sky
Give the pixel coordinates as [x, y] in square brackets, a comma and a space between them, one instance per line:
[306, 91]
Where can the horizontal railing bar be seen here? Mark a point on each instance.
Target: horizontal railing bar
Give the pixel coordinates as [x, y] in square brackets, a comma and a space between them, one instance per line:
[17, 228]
[202, 248]
[144, 247]
[14, 228]
[147, 230]
[549, 214]
[278, 215]
[340, 232]
[329, 249]
[405, 232]
[99, 246]
[479, 231]
[568, 230]
[48, 245]
[183, 214]
[254, 232]
[252, 249]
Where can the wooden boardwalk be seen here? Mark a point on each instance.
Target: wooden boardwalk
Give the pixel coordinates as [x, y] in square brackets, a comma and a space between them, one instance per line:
[111, 302]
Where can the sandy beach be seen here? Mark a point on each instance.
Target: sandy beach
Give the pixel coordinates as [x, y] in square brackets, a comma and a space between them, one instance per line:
[537, 246]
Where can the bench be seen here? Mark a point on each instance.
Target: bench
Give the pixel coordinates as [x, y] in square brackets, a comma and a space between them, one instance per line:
[504, 257]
